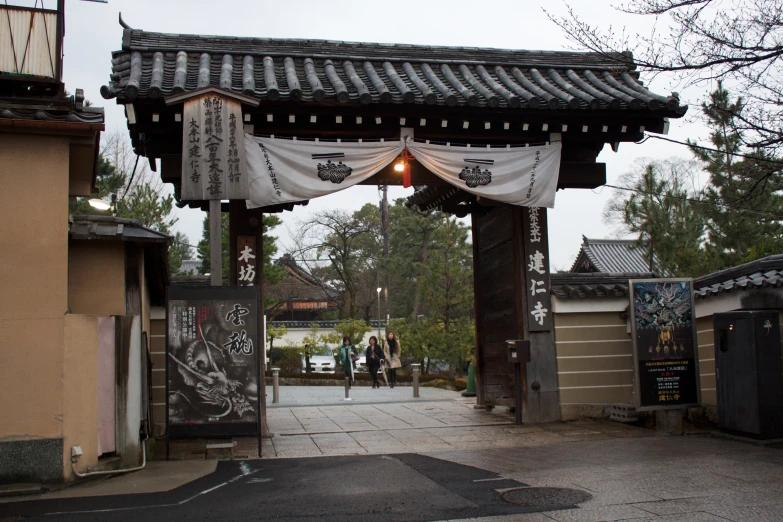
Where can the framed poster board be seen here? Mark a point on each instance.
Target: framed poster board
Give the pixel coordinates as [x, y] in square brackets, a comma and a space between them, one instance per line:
[213, 366]
[665, 352]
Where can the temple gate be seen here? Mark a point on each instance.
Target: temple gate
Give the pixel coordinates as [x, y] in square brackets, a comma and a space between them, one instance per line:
[360, 91]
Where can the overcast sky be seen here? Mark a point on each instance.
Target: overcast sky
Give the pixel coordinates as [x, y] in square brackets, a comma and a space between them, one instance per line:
[93, 32]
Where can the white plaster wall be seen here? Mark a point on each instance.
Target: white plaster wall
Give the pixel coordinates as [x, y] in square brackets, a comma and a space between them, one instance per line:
[295, 337]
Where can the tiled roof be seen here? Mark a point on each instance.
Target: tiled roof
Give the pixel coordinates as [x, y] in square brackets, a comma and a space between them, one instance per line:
[154, 243]
[595, 285]
[154, 65]
[610, 255]
[762, 273]
[68, 110]
[107, 227]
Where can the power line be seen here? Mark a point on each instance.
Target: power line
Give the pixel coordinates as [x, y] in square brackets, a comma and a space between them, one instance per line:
[710, 149]
[700, 202]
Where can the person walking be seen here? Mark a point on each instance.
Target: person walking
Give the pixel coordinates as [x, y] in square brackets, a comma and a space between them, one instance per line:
[346, 358]
[392, 354]
[374, 356]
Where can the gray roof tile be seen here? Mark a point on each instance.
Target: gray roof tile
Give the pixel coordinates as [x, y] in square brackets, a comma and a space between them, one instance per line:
[594, 285]
[610, 255]
[151, 65]
[762, 273]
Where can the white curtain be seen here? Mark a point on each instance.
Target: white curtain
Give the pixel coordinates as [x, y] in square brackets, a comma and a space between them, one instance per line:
[525, 176]
[286, 170]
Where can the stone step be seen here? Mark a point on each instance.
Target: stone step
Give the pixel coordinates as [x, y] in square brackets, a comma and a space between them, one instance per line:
[13, 490]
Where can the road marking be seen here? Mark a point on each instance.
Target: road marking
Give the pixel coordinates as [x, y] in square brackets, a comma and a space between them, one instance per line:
[258, 480]
[245, 472]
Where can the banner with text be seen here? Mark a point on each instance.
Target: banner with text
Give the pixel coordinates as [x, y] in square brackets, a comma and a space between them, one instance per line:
[213, 361]
[524, 176]
[288, 170]
[664, 344]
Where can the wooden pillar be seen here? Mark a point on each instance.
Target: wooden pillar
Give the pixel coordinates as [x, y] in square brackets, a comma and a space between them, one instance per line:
[478, 311]
[542, 403]
[215, 244]
[502, 284]
[246, 225]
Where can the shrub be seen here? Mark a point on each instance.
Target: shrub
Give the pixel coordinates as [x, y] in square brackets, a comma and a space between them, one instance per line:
[290, 363]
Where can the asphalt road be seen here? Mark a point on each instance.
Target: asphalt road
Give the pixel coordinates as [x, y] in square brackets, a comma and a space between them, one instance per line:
[396, 488]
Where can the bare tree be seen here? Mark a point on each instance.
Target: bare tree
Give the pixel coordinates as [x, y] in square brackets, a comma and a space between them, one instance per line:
[698, 41]
[341, 250]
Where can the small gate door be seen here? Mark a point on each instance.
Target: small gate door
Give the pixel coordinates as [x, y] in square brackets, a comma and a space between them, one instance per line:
[736, 374]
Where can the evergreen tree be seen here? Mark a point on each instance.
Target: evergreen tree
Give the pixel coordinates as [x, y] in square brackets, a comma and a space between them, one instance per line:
[136, 195]
[742, 201]
[272, 273]
[659, 208]
[179, 250]
[447, 287]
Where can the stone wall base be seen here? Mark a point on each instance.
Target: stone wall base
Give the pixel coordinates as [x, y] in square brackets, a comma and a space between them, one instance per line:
[37, 460]
[670, 422]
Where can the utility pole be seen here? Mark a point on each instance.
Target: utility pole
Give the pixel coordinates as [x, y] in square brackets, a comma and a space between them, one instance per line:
[385, 233]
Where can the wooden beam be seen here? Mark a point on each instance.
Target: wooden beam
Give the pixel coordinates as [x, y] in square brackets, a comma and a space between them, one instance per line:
[581, 175]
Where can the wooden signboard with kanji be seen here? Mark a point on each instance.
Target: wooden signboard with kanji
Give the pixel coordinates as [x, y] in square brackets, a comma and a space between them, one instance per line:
[536, 267]
[213, 149]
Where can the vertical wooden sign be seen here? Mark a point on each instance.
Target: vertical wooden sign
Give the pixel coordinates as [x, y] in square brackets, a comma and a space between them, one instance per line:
[213, 149]
[247, 253]
[536, 265]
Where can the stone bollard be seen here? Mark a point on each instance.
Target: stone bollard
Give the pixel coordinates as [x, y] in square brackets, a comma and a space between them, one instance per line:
[275, 385]
[416, 369]
[347, 389]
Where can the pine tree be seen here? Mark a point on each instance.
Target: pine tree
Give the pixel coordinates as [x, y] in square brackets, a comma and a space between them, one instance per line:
[659, 208]
[741, 200]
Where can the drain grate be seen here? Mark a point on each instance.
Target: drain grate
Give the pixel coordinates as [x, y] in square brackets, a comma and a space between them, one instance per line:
[546, 497]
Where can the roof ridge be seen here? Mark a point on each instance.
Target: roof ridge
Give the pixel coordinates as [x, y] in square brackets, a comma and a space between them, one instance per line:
[395, 45]
[762, 265]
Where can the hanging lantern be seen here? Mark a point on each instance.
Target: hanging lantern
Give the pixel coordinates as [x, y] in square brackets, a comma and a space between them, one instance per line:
[403, 166]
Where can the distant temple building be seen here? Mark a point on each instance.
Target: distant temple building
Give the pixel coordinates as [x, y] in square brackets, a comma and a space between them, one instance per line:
[300, 296]
[612, 256]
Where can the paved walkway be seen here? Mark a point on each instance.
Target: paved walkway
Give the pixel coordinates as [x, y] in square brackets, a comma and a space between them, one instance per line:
[630, 473]
[335, 395]
[661, 479]
[439, 420]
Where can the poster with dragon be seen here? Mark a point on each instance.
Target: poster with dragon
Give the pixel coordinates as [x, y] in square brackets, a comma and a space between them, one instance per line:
[665, 351]
[212, 360]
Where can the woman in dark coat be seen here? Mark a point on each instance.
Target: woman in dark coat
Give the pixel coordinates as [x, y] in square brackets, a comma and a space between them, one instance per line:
[346, 358]
[374, 356]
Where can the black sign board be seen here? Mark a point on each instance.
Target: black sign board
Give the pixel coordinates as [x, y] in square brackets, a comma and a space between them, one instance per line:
[213, 364]
[539, 300]
[665, 351]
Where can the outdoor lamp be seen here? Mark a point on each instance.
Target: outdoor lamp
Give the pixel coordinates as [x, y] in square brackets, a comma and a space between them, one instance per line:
[102, 204]
[404, 167]
[378, 289]
[99, 204]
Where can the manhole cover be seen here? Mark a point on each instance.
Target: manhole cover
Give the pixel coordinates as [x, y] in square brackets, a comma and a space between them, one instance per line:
[546, 497]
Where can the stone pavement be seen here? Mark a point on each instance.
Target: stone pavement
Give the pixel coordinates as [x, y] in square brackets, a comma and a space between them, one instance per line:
[630, 472]
[406, 425]
[323, 395]
[662, 479]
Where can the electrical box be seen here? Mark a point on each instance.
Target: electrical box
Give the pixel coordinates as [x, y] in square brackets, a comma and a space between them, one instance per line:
[749, 373]
[518, 351]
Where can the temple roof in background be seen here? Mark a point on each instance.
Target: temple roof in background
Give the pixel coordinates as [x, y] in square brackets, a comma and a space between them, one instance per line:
[610, 256]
